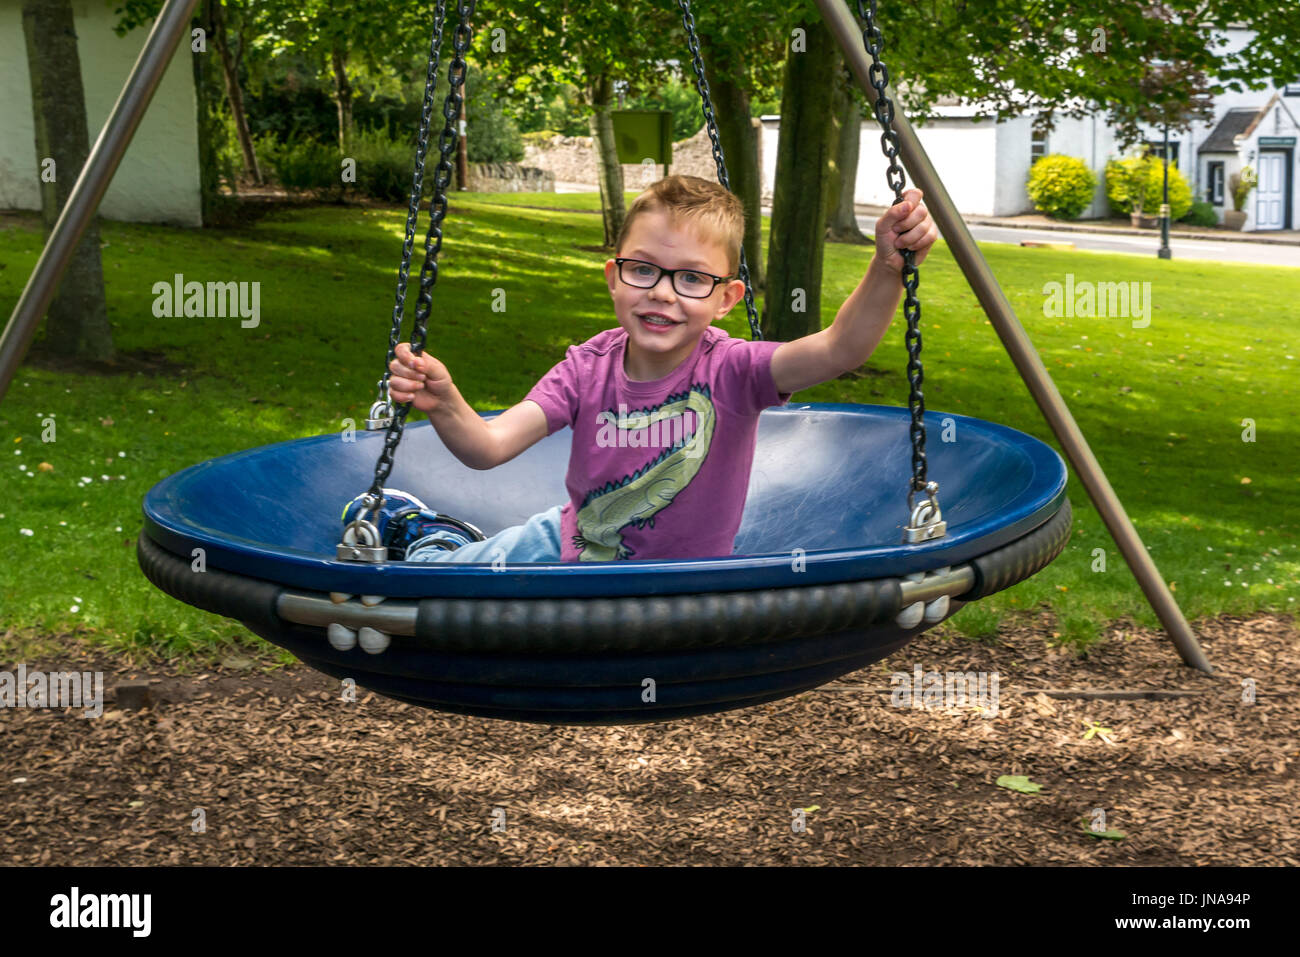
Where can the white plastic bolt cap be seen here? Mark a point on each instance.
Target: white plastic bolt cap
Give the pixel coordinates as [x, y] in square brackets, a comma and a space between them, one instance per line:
[937, 609]
[341, 637]
[911, 616]
[373, 641]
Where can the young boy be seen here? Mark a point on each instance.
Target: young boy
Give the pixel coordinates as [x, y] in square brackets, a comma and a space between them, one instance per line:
[664, 408]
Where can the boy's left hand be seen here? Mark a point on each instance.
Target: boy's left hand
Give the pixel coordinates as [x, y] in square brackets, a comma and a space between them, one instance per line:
[905, 225]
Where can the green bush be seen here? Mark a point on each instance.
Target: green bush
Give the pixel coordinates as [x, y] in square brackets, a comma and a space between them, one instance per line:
[491, 135]
[385, 166]
[1201, 214]
[1061, 186]
[226, 156]
[305, 164]
[538, 137]
[1126, 179]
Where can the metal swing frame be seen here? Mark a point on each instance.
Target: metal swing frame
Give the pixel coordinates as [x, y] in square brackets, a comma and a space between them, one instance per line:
[172, 24]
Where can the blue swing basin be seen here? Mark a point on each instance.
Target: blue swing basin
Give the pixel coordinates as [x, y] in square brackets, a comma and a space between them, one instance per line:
[828, 479]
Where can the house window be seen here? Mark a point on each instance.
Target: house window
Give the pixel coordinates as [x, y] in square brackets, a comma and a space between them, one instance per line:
[1158, 149]
[1292, 89]
[1037, 146]
[1214, 188]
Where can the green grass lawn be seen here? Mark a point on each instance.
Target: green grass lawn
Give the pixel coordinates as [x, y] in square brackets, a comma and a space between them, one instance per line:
[1163, 407]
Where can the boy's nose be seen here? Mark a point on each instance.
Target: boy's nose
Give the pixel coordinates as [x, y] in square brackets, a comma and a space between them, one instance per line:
[663, 277]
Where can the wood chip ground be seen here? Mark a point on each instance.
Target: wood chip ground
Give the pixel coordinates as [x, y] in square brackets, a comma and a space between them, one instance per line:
[287, 773]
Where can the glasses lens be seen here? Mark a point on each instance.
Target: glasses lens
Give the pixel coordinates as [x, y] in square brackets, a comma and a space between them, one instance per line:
[694, 285]
[640, 274]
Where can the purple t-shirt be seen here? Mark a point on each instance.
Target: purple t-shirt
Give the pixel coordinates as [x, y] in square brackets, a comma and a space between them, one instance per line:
[657, 469]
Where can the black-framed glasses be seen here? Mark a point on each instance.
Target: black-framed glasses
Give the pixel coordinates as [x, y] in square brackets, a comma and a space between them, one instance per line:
[690, 283]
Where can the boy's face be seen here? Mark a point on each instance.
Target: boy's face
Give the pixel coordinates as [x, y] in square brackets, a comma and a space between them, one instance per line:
[651, 239]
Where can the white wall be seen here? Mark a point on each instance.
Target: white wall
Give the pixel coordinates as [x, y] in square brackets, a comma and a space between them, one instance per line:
[963, 154]
[158, 179]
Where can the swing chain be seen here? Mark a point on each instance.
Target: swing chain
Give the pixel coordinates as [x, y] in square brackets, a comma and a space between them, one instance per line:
[437, 211]
[701, 84]
[878, 75]
[381, 413]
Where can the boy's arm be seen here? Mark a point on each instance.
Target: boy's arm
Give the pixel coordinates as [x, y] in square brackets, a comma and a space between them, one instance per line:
[464, 431]
[486, 443]
[518, 428]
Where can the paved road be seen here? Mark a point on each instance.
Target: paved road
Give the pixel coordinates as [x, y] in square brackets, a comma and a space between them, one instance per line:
[1263, 253]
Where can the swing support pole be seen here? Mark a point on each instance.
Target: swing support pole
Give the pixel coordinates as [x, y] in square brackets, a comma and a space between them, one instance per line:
[848, 34]
[171, 24]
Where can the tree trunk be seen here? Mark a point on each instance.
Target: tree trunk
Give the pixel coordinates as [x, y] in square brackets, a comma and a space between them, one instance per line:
[843, 226]
[739, 138]
[342, 95]
[78, 315]
[609, 173]
[208, 122]
[792, 306]
[221, 40]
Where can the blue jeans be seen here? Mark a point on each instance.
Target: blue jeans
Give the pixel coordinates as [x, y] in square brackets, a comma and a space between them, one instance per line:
[537, 540]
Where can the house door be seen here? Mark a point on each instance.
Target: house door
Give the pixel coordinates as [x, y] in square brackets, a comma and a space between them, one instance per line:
[1270, 194]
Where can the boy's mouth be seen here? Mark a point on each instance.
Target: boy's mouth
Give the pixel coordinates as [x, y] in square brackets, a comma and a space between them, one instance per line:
[658, 319]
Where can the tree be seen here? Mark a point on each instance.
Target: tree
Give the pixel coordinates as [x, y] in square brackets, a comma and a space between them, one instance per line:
[1080, 59]
[78, 315]
[842, 216]
[1174, 93]
[231, 56]
[730, 74]
[590, 45]
[792, 306]
[346, 38]
[217, 19]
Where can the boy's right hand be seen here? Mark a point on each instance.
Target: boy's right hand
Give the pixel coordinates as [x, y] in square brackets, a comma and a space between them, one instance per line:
[421, 380]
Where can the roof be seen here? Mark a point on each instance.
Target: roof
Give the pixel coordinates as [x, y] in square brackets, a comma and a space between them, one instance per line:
[1234, 124]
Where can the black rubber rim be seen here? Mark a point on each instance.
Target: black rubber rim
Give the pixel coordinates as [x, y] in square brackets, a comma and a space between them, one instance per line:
[648, 623]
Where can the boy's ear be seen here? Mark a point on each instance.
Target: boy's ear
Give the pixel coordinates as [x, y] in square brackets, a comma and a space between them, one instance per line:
[732, 293]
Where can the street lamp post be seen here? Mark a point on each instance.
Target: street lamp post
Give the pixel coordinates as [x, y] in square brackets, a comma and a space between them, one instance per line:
[1165, 251]
[462, 151]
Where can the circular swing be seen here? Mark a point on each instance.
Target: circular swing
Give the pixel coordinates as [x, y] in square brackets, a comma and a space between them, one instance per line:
[825, 578]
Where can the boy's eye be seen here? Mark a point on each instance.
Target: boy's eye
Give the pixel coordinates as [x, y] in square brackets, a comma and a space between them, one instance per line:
[694, 277]
[643, 270]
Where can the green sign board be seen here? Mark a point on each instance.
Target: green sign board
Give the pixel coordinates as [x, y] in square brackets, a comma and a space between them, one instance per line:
[1277, 141]
[643, 134]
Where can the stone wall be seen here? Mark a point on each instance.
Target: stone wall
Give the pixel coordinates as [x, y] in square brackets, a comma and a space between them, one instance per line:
[572, 159]
[507, 178]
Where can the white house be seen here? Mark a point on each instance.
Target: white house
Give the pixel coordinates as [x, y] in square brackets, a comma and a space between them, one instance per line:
[985, 164]
[158, 179]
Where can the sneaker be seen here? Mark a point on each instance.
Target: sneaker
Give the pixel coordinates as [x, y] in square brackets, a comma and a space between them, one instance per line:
[430, 529]
[390, 519]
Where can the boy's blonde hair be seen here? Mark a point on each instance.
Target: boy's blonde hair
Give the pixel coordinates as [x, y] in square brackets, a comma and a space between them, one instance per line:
[712, 210]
